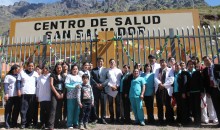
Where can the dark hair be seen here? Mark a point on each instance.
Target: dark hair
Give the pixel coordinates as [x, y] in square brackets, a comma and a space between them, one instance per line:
[195, 58]
[126, 66]
[206, 57]
[111, 60]
[85, 76]
[151, 56]
[74, 66]
[170, 58]
[145, 66]
[38, 67]
[136, 66]
[191, 61]
[85, 63]
[64, 62]
[182, 62]
[100, 58]
[162, 60]
[13, 67]
[57, 64]
[30, 62]
[47, 67]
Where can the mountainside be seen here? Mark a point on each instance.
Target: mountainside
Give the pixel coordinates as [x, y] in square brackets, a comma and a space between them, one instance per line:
[24, 9]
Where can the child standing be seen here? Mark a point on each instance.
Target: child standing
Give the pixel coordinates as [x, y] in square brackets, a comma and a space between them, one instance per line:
[72, 80]
[44, 96]
[12, 97]
[26, 82]
[85, 100]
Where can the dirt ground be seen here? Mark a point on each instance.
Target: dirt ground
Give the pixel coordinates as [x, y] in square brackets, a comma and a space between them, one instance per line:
[134, 127]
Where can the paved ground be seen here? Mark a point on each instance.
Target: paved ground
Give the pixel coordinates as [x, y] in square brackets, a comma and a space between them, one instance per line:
[135, 127]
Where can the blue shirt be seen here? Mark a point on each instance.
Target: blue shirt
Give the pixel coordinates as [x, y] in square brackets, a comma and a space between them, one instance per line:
[136, 87]
[176, 86]
[149, 79]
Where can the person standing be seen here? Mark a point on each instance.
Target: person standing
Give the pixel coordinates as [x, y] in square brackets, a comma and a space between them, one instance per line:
[73, 110]
[65, 70]
[149, 92]
[114, 84]
[125, 85]
[164, 79]
[195, 89]
[12, 97]
[44, 96]
[85, 100]
[136, 95]
[99, 80]
[211, 84]
[153, 63]
[57, 93]
[26, 81]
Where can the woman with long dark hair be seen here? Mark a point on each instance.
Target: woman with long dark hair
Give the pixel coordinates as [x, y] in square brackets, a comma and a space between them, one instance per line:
[148, 76]
[73, 110]
[12, 97]
[27, 80]
[57, 90]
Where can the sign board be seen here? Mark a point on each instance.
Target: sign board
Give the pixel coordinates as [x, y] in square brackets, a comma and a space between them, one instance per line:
[78, 25]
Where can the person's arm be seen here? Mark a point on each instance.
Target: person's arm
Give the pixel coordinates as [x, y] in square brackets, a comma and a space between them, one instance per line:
[170, 79]
[106, 78]
[6, 91]
[92, 96]
[79, 96]
[119, 75]
[156, 79]
[53, 88]
[37, 89]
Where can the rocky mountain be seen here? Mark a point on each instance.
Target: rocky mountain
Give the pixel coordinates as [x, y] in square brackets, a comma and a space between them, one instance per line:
[24, 9]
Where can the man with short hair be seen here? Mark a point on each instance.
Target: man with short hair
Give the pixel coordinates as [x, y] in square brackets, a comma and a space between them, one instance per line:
[211, 83]
[99, 80]
[153, 62]
[164, 78]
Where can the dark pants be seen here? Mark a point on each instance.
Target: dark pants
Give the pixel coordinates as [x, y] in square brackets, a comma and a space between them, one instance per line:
[149, 103]
[12, 109]
[35, 117]
[27, 106]
[177, 97]
[44, 113]
[64, 105]
[215, 95]
[117, 106]
[127, 106]
[55, 111]
[195, 103]
[93, 114]
[163, 98]
[84, 113]
[100, 97]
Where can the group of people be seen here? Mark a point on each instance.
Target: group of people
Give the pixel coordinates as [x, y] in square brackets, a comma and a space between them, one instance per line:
[76, 95]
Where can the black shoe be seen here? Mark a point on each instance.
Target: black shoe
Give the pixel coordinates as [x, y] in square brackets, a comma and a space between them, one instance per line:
[103, 122]
[22, 127]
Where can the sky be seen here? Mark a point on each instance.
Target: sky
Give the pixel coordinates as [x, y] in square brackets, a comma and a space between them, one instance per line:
[11, 2]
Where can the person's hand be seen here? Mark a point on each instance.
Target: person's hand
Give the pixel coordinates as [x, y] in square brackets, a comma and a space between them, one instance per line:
[19, 93]
[202, 95]
[80, 105]
[184, 96]
[92, 104]
[160, 86]
[58, 95]
[142, 96]
[6, 97]
[114, 88]
[126, 95]
[208, 95]
[61, 96]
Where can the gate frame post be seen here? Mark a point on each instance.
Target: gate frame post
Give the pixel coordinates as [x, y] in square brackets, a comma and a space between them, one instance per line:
[172, 43]
[44, 56]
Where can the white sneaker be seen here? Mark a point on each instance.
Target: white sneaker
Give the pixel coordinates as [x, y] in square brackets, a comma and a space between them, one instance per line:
[215, 121]
[70, 127]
